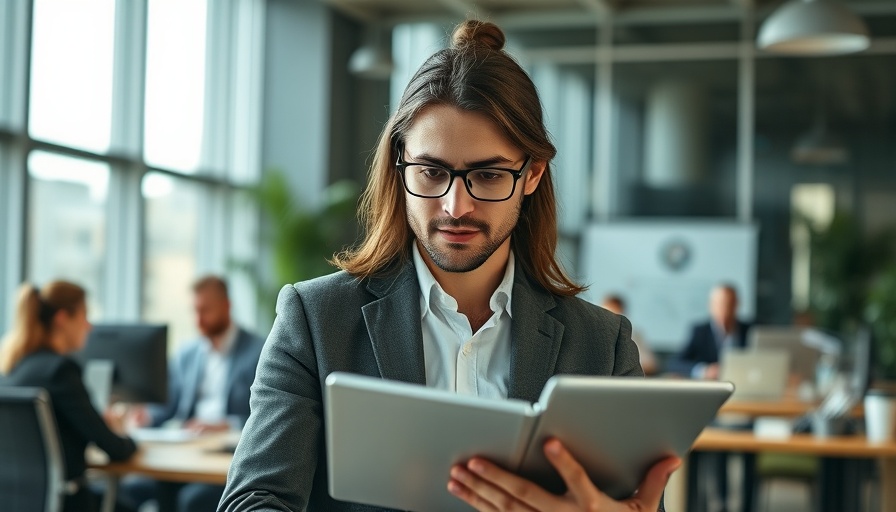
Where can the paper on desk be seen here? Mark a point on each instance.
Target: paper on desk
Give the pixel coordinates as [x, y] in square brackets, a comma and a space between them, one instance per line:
[162, 435]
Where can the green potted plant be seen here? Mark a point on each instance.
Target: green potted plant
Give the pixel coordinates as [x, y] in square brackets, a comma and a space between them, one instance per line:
[298, 240]
[843, 262]
[880, 401]
[880, 314]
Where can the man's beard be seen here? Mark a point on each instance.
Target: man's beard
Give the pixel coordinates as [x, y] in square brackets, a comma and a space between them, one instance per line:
[216, 329]
[452, 259]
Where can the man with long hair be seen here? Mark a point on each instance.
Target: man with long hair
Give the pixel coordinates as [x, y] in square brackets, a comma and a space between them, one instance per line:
[454, 285]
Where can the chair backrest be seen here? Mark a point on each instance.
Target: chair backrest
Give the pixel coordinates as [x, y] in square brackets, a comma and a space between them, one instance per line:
[32, 470]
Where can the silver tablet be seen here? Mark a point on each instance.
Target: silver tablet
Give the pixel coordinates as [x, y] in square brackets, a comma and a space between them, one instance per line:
[392, 444]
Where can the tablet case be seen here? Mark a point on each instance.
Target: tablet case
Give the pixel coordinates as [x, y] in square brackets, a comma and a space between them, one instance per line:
[392, 444]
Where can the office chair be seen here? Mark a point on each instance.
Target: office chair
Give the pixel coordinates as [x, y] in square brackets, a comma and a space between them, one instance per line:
[787, 466]
[32, 470]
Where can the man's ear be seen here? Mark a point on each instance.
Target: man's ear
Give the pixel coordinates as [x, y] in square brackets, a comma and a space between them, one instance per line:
[533, 176]
[61, 316]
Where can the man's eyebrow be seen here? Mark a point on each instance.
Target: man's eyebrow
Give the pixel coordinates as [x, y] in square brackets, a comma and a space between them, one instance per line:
[495, 160]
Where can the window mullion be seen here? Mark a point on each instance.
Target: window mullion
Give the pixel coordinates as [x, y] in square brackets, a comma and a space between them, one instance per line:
[218, 87]
[13, 194]
[15, 44]
[213, 221]
[123, 273]
[129, 78]
[247, 75]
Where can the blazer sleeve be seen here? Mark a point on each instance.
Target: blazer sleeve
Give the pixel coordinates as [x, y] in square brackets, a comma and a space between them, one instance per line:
[627, 358]
[72, 403]
[160, 413]
[275, 463]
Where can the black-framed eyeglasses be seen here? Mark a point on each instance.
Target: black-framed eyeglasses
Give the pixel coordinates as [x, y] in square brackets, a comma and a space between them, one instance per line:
[483, 183]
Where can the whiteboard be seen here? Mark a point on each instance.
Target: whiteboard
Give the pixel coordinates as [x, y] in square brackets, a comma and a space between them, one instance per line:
[664, 270]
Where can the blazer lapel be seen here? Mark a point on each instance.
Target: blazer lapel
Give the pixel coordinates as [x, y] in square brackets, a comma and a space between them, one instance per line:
[393, 323]
[191, 382]
[233, 358]
[535, 339]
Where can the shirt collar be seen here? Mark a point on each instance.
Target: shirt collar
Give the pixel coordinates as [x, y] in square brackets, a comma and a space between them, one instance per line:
[431, 292]
[228, 340]
[719, 332]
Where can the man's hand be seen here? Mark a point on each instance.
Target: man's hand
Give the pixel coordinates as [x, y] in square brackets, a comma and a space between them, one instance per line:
[711, 372]
[487, 487]
[115, 417]
[136, 417]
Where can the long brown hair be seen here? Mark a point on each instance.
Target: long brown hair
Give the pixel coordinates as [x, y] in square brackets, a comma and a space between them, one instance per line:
[33, 322]
[474, 74]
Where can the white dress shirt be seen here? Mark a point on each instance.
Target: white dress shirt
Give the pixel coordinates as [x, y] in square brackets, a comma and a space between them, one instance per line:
[211, 404]
[457, 359]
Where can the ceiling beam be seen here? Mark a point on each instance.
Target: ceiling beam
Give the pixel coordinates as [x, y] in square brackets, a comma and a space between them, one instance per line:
[524, 19]
[465, 8]
[598, 7]
[353, 11]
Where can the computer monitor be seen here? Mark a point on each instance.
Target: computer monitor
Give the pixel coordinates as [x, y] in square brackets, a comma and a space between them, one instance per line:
[138, 354]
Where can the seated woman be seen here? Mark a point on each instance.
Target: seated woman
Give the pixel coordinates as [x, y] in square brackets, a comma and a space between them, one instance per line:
[49, 324]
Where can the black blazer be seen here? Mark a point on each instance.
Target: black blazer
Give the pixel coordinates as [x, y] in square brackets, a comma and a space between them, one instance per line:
[702, 348]
[77, 421]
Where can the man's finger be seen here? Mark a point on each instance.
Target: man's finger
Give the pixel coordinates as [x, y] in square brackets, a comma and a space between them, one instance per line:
[505, 490]
[651, 490]
[457, 488]
[578, 484]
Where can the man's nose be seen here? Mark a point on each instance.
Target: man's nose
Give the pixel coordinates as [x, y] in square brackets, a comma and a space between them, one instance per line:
[458, 201]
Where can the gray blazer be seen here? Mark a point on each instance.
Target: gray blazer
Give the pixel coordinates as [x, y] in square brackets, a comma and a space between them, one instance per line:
[372, 327]
[185, 372]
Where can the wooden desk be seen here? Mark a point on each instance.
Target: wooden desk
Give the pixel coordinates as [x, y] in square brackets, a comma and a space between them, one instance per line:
[789, 407]
[196, 461]
[846, 447]
[856, 447]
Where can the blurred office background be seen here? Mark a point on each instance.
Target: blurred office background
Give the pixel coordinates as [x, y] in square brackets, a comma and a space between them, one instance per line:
[130, 132]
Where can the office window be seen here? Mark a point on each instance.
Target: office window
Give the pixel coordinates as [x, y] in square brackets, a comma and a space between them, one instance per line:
[175, 84]
[173, 227]
[675, 130]
[71, 72]
[67, 222]
[107, 106]
[567, 93]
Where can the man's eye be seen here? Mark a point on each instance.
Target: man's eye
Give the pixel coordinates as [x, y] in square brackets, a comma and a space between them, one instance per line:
[489, 175]
[432, 172]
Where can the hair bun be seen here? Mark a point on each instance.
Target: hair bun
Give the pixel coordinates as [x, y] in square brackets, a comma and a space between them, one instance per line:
[478, 32]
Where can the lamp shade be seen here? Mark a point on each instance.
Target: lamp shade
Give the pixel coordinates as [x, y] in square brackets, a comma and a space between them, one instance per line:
[819, 146]
[813, 27]
[370, 61]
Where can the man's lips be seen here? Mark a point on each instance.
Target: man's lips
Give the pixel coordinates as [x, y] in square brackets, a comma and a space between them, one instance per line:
[458, 230]
[457, 235]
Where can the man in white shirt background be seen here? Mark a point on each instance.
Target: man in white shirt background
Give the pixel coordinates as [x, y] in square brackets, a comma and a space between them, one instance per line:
[208, 389]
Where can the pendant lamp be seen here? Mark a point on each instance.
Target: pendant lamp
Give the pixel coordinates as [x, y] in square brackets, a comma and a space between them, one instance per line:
[373, 59]
[813, 28]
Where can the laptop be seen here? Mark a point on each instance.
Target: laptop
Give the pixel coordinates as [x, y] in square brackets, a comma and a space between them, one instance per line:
[803, 356]
[756, 374]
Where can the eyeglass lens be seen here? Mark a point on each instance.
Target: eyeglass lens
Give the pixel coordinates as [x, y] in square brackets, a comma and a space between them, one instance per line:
[487, 184]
